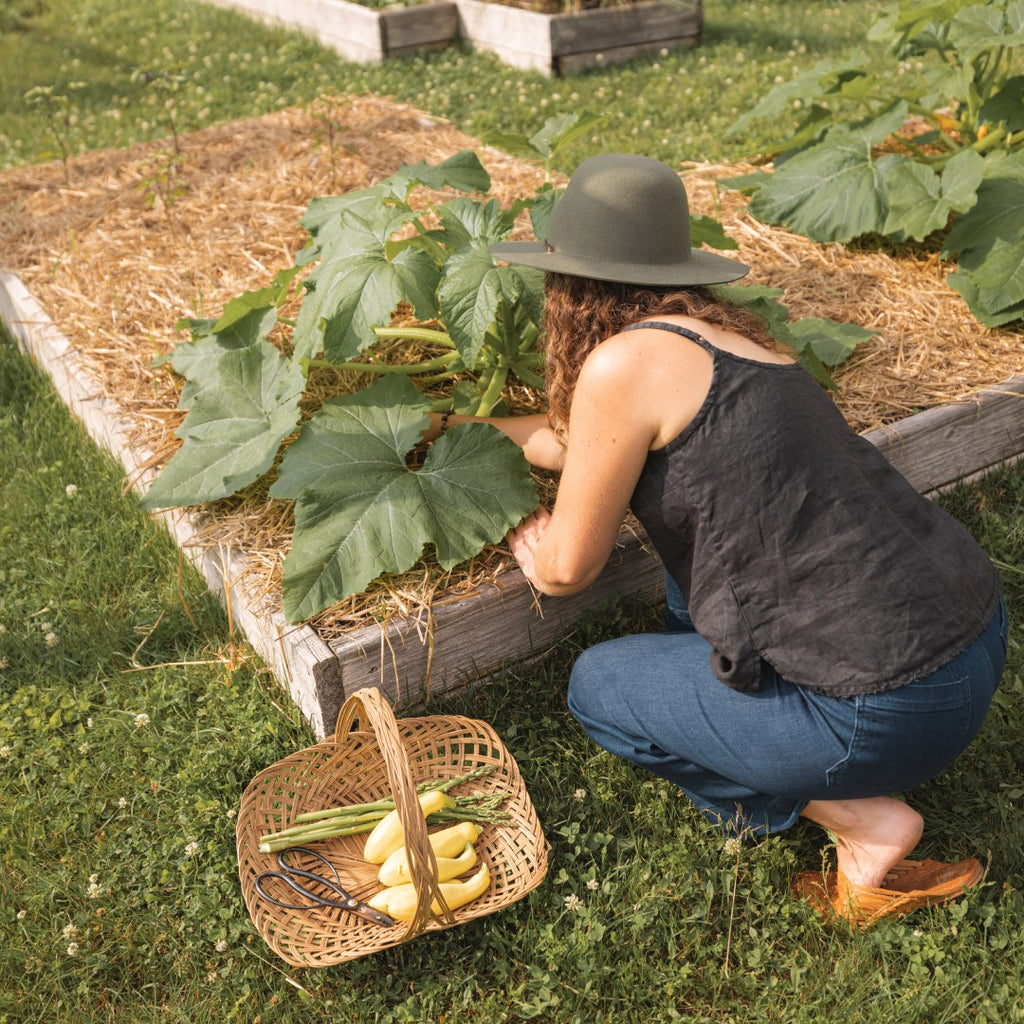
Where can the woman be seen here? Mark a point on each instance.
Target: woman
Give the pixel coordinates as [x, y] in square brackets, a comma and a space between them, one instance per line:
[834, 637]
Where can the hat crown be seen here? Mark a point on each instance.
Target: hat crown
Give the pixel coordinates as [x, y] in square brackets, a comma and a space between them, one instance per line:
[623, 208]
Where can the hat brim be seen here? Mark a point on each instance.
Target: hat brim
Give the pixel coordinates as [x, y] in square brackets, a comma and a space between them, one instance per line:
[700, 268]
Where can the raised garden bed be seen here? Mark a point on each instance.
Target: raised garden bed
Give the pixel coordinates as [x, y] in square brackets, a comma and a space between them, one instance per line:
[115, 276]
[361, 33]
[564, 44]
[558, 43]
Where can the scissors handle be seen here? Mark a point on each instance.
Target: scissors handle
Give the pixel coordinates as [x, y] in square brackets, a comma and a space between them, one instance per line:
[346, 900]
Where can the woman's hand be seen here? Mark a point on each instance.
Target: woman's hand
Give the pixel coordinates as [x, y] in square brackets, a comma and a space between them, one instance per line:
[523, 542]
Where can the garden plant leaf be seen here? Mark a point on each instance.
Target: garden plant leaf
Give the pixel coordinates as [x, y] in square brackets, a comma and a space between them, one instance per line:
[921, 201]
[831, 192]
[354, 291]
[233, 430]
[362, 511]
[471, 289]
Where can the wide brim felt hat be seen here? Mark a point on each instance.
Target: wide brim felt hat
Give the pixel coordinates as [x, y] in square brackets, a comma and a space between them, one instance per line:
[623, 218]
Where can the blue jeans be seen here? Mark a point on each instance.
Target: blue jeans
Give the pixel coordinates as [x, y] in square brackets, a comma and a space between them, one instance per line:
[752, 761]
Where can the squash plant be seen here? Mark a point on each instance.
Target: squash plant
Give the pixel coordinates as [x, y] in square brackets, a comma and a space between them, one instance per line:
[852, 169]
[369, 496]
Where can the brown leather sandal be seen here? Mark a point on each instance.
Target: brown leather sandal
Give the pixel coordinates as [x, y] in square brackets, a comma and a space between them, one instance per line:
[908, 885]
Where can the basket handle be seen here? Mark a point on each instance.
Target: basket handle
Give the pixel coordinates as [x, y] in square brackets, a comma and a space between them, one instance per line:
[368, 706]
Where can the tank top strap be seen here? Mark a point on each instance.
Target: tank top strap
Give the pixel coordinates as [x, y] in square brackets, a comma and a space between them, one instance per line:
[663, 325]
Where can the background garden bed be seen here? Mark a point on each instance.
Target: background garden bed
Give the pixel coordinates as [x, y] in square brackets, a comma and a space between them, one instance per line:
[115, 273]
[358, 32]
[559, 43]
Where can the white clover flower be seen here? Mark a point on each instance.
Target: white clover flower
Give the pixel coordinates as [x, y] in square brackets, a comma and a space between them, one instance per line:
[72, 949]
[579, 794]
[141, 720]
[71, 490]
[123, 802]
[88, 722]
[69, 931]
[593, 884]
[192, 849]
[83, 749]
[50, 639]
[231, 812]
[732, 846]
[221, 946]
[572, 902]
[5, 751]
[22, 914]
[95, 890]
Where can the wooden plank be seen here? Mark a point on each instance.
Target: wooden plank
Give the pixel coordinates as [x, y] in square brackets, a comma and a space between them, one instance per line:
[574, 63]
[414, 658]
[424, 27]
[618, 27]
[939, 447]
[519, 37]
[350, 29]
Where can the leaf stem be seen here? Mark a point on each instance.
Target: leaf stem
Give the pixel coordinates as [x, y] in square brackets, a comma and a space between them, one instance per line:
[409, 369]
[417, 334]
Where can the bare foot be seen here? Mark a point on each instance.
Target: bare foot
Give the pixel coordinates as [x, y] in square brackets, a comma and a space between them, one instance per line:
[871, 835]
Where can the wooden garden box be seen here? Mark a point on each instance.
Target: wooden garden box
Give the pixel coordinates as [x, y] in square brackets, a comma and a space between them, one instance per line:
[361, 33]
[469, 637]
[562, 44]
[553, 44]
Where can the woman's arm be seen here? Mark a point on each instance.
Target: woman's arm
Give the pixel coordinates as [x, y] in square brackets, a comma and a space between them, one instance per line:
[532, 433]
[635, 392]
[611, 428]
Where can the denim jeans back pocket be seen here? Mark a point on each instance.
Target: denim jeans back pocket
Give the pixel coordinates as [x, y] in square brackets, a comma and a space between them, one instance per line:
[904, 737]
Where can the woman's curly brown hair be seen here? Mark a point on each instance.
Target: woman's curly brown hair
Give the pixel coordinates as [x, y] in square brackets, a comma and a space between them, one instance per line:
[580, 313]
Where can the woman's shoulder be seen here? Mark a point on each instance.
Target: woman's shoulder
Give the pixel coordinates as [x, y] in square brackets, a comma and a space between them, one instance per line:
[713, 336]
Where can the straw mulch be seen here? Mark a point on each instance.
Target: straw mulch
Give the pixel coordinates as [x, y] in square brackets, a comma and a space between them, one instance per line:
[115, 266]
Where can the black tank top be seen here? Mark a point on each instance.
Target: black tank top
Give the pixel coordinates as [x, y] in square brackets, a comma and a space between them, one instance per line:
[797, 545]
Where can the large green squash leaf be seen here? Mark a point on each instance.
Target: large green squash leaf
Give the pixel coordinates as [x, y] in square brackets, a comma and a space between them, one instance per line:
[362, 511]
[356, 289]
[833, 191]
[832, 342]
[989, 242]
[471, 290]
[818, 342]
[197, 360]
[463, 171]
[920, 201]
[384, 204]
[234, 428]
[982, 27]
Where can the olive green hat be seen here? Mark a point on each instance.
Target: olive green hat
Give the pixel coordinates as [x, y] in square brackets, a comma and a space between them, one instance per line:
[623, 218]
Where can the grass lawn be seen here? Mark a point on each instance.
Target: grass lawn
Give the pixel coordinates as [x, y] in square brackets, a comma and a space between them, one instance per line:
[131, 719]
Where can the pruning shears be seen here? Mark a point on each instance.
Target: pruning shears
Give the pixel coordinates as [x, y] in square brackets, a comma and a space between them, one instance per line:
[340, 898]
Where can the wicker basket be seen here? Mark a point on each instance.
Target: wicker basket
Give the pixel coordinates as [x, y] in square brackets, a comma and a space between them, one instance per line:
[373, 756]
